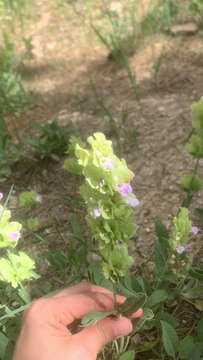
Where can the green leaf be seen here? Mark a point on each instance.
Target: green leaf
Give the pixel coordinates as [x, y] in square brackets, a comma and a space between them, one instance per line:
[128, 355]
[193, 293]
[132, 304]
[76, 225]
[131, 285]
[161, 231]
[200, 331]
[157, 297]
[71, 165]
[24, 294]
[169, 339]
[191, 182]
[3, 344]
[161, 249]
[93, 316]
[185, 347]
[196, 273]
[195, 146]
[163, 315]
[195, 353]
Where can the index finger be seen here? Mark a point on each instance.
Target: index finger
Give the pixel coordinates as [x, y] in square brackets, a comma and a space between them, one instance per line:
[81, 288]
[85, 287]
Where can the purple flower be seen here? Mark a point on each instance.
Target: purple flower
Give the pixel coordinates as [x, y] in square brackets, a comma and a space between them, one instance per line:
[107, 163]
[1, 196]
[101, 183]
[188, 247]
[96, 213]
[131, 200]
[14, 235]
[124, 189]
[180, 249]
[195, 230]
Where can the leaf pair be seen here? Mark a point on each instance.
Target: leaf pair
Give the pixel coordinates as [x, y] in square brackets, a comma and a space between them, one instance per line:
[131, 305]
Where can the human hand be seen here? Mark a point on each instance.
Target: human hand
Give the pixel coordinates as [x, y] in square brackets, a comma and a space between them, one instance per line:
[45, 333]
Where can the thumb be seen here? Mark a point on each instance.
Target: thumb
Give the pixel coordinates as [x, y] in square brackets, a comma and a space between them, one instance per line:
[94, 337]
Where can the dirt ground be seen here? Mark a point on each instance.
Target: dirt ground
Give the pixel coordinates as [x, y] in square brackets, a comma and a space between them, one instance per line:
[65, 59]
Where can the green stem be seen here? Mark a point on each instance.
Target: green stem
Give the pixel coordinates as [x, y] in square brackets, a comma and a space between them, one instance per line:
[114, 295]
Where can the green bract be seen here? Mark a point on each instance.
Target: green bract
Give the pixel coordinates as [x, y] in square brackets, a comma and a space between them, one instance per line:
[196, 142]
[195, 146]
[72, 166]
[17, 268]
[197, 122]
[191, 182]
[108, 196]
[117, 261]
[9, 230]
[182, 229]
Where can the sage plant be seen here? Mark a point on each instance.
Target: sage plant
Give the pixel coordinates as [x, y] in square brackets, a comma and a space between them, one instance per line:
[109, 198]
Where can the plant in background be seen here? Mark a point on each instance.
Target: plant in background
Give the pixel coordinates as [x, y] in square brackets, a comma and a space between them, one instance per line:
[196, 7]
[33, 223]
[52, 139]
[29, 198]
[119, 35]
[192, 183]
[13, 98]
[16, 269]
[160, 16]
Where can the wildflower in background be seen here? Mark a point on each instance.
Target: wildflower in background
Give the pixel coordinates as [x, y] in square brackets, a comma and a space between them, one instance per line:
[124, 189]
[96, 213]
[17, 268]
[195, 230]
[180, 249]
[188, 247]
[101, 183]
[1, 196]
[182, 231]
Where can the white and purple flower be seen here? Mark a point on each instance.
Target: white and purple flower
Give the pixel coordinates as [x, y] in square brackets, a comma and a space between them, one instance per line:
[15, 235]
[180, 249]
[107, 163]
[124, 189]
[195, 230]
[131, 200]
[96, 213]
